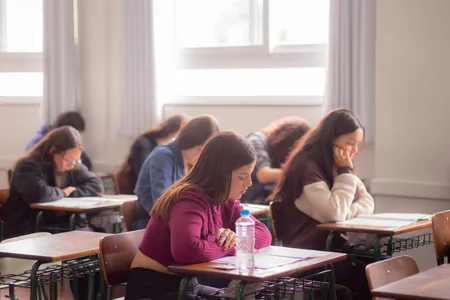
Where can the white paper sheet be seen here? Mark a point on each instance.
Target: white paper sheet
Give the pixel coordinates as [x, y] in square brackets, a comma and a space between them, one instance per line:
[376, 222]
[398, 216]
[262, 261]
[82, 202]
[291, 252]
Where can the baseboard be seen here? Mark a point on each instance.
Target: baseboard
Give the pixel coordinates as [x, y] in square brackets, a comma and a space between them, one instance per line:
[409, 189]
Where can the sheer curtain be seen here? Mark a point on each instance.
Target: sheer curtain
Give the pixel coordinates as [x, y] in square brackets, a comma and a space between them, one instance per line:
[351, 60]
[60, 59]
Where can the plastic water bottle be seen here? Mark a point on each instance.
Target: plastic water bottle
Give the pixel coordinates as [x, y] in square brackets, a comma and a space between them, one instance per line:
[245, 242]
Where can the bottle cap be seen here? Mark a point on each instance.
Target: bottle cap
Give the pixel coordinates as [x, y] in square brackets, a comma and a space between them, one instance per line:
[245, 212]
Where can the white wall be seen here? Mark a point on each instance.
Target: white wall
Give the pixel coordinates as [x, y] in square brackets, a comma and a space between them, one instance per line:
[412, 165]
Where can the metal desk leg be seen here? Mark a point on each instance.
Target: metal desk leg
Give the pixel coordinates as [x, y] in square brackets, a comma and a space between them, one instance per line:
[39, 220]
[53, 287]
[34, 280]
[72, 222]
[329, 243]
[389, 246]
[240, 290]
[333, 293]
[11, 291]
[182, 289]
[376, 248]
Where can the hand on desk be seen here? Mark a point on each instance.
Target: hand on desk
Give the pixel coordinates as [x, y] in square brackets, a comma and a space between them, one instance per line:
[225, 238]
[68, 190]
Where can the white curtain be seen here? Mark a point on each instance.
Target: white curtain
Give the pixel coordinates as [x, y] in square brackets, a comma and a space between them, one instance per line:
[60, 61]
[351, 60]
[139, 109]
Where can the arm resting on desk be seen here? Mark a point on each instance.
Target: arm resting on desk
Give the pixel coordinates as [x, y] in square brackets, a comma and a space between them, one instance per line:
[188, 246]
[30, 183]
[86, 183]
[363, 203]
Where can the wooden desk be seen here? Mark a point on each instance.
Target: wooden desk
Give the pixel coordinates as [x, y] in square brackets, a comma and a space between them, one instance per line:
[256, 209]
[85, 204]
[52, 248]
[56, 247]
[378, 230]
[432, 284]
[258, 275]
[379, 233]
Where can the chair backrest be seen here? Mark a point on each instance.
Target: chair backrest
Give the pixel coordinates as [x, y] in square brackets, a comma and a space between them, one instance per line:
[109, 183]
[441, 235]
[129, 213]
[386, 271]
[275, 218]
[9, 175]
[4, 196]
[117, 252]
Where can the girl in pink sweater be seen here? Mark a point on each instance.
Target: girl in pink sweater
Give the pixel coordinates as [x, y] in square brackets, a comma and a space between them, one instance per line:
[194, 220]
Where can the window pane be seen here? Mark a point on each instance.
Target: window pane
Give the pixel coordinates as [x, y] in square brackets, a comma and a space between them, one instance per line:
[21, 27]
[218, 23]
[252, 82]
[21, 84]
[299, 22]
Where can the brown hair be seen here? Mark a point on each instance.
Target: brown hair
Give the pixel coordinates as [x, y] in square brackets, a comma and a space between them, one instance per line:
[282, 135]
[166, 128]
[316, 146]
[57, 140]
[70, 118]
[222, 154]
[196, 132]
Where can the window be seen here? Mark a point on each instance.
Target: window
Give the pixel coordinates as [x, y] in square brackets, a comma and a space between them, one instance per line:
[251, 49]
[21, 77]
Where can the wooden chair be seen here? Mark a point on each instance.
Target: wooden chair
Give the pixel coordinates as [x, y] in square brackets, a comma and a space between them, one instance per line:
[129, 213]
[116, 255]
[109, 183]
[4, 196]
[441, 235]
[275, 219]
[10, 174]
[390, 270]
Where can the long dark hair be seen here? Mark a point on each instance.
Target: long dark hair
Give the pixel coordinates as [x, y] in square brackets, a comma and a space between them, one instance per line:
[196, 132]
[222, 154]
[58, 140]
[70, 118]
[166, 128]
[282, 135]
[316, 146]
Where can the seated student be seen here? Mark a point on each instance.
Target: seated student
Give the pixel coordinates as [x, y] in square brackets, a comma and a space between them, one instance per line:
[70, 118]
[319, 185]
[161, 134]
[272, 145]
[194, 220]
[51, 170]
[168, 163]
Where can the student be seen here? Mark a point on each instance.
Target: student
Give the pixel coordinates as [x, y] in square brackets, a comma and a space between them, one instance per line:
[168, 163]
[194, 220]
[272, 145]
[70, 118]
[51, 170]
[319, 185]
[159, 135]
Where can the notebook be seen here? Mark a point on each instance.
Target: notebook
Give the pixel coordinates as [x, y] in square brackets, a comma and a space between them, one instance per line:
[392, 220]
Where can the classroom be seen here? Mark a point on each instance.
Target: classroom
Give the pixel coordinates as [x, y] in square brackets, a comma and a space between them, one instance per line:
[139, 136]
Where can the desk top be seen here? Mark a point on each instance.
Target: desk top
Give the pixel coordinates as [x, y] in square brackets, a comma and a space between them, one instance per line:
[256, 209]
[432, 284]
[85, 204]
[259, 275]
[56, 247]
[383, 231]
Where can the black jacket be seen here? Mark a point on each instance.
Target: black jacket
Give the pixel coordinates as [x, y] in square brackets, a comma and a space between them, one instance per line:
[33, 181]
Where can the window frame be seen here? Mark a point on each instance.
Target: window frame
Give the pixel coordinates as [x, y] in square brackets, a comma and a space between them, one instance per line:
[11, 62]
[264, 55]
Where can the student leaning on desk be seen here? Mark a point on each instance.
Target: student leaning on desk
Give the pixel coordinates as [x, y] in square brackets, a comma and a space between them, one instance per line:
[51, 170]
[319, 185]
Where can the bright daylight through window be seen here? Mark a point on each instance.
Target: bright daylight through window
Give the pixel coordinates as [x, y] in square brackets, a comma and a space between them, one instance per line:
[252, 48]
[21, 77]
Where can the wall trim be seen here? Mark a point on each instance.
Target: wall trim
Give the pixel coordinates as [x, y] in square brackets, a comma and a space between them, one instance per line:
[409, 189]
